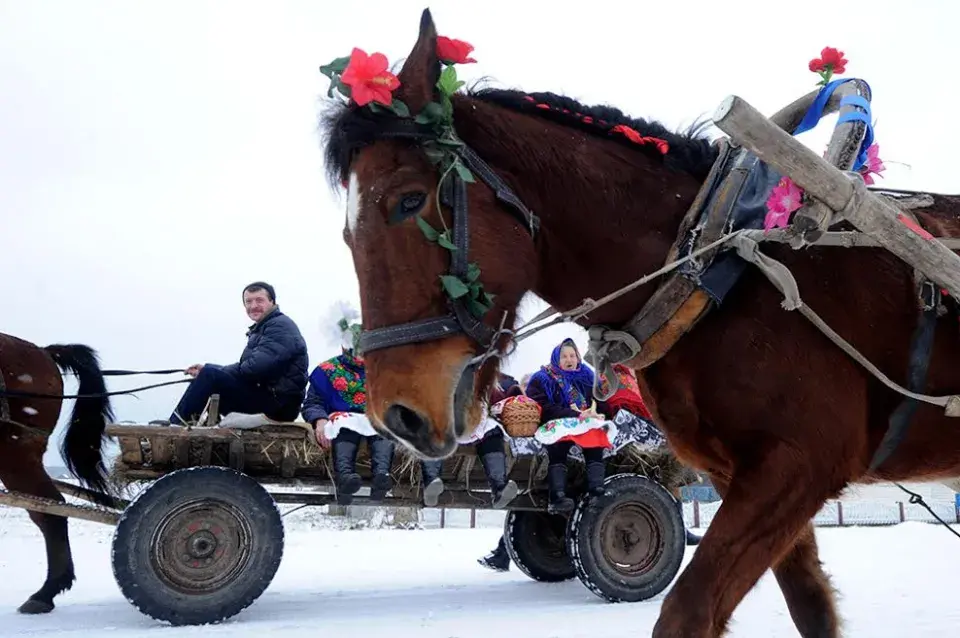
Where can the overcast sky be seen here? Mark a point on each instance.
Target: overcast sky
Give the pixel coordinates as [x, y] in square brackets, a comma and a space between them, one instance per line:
[155, 157]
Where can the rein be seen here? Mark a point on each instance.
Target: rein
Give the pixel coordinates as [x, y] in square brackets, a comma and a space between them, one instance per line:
[40, 395]
[4, 409]
[5, 417]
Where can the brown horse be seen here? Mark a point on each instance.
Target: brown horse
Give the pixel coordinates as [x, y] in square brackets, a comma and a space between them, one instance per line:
[778, 416]
[26, 371]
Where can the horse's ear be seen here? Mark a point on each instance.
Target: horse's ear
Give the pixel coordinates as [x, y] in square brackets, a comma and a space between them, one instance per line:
[421, 70]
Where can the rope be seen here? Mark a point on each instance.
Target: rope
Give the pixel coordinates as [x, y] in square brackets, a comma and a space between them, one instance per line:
[124, 373]
[916, 499]
[589, 305]
[40, 395]
[781, 277]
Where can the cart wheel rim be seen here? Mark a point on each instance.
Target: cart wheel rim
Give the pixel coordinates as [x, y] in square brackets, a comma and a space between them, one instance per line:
[200, 546]
[632, 540]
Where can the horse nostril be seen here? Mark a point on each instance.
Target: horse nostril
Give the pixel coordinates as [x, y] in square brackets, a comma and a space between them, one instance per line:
[406, 423]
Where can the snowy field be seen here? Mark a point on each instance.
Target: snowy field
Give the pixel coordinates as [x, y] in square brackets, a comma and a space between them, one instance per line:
[895, 581]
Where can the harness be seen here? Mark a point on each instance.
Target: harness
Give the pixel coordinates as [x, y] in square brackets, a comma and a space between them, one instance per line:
[732, 198]
[453, 193]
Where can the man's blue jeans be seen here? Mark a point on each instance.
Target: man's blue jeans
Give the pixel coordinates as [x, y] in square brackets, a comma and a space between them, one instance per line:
[236, 395]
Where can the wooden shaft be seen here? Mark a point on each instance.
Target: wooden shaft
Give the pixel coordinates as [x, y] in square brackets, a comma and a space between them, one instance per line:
[223, 434]
[751, 129]
[87, 495]
[56, 508]
[872, 215]
[789, 117]
[815, 218]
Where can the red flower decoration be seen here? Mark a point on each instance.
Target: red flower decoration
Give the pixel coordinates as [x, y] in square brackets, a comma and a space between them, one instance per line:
[830, 60]
[368, 78]
[635, 137]
[628, 132]
[454, 51]
[326, 365]
[339, 384]
[359, 398]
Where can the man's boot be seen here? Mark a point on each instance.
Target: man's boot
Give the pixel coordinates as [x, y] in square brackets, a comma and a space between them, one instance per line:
[432, 483]
[559, 503]
[498, 560]
[381, 460]
[596, 473]
[345, 469]
[692, 539]
[503, 491]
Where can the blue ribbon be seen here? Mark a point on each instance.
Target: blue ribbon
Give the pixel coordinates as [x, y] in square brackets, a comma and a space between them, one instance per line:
[813, 115]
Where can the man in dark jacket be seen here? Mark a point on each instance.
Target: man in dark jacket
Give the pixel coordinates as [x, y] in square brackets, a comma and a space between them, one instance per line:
[271, 376]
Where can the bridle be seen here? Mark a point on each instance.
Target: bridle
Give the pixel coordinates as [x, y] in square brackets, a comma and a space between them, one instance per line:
[453, 193]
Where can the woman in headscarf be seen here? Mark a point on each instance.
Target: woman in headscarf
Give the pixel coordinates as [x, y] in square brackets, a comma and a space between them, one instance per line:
[564, 390]
[626, 406]
[336, 405]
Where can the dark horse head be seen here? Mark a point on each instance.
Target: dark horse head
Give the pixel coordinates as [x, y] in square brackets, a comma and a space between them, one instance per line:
[540, 167]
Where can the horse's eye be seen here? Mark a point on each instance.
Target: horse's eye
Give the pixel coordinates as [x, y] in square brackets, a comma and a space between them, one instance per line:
[409, 205]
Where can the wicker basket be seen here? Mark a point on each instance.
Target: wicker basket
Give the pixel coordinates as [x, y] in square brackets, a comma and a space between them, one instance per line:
[520, 416]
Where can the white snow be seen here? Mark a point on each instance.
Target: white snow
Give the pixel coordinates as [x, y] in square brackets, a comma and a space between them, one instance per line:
[894, 581]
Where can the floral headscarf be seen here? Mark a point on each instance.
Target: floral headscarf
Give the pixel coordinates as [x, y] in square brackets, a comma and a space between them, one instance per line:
[565, 387]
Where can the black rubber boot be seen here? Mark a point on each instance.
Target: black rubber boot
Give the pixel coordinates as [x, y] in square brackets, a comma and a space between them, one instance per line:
[559, 503]
[432, 483]
[502, 490]
[345, 468]
[381, 460]
[498, 560]
[596, 472]
[692, 539]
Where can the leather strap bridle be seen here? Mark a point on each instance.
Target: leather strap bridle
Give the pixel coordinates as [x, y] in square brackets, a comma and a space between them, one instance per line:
[453, 193]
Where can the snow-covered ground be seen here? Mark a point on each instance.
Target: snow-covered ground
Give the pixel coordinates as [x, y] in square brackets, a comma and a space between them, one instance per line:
[895, 581]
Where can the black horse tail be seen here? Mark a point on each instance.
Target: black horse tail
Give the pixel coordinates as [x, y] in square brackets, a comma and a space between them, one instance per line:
[82, 445]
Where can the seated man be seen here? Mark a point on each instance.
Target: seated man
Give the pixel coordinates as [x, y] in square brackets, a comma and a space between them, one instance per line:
[336, 408]
[271, 376]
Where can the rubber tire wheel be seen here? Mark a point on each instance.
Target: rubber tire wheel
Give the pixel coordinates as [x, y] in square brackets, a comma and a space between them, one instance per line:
[658, 530]
[135, 546]
[532, 542]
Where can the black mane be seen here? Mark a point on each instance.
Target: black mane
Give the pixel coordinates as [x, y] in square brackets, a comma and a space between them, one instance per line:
[690, 151]
[348, 128]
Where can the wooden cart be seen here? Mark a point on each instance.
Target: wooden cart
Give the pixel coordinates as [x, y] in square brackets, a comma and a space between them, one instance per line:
[204, 538]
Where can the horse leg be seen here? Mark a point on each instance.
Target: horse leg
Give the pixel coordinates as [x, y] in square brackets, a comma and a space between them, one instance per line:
[804, 584]
[29, 477]
[807, 589]
[761, 516]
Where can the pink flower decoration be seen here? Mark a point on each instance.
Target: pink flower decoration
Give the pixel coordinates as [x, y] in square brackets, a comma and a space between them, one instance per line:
[874, 165]
[784, 199]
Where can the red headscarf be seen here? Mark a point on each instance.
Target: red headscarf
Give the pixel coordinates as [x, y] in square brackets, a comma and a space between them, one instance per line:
[627, 397]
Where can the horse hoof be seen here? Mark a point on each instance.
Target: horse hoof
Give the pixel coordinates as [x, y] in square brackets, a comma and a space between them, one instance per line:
[34, 606]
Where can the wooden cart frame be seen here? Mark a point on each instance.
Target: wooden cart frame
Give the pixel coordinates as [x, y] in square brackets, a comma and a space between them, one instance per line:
[204, 538]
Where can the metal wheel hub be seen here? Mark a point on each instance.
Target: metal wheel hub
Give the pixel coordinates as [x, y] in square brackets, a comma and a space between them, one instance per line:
[201, 546]
[631, 539]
